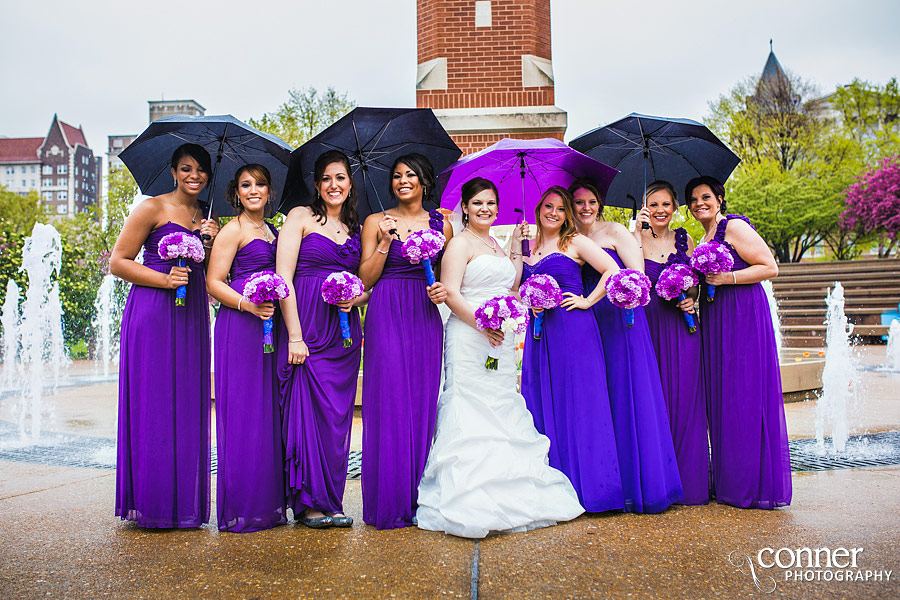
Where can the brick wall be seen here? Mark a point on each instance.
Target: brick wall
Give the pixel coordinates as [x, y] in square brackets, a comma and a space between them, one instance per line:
[470, 143]
[484, 65]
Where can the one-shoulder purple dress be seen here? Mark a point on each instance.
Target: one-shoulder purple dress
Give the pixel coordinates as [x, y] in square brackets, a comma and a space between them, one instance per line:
[401, 383]
[679, 371]
[162, 468]
[650, 479]
[751, 463]
[318, 396]
[564, 384]
[250, 492]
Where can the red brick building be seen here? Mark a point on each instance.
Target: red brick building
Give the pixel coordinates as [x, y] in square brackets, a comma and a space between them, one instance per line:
[485, 69]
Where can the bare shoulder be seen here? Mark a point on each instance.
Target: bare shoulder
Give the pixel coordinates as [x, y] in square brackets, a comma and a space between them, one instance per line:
[372, 221]
[231, 230]
[740, 229]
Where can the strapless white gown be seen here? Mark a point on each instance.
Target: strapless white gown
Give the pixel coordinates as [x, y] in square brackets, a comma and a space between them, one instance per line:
[487, 470]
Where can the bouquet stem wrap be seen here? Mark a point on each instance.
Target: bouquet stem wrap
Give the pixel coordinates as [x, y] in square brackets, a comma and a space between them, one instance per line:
[181, 290]
[629, 317]
[538, 325]
[265, 286]
[345, 328]
[628, 289]
[673, 282]
[421, 247]
[180, 246]
[540, 291]
[688, 317]
[429, 271]
[341, 286]
[504, 313]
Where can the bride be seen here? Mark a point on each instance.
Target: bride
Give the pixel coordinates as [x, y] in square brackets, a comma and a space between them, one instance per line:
[487, 470]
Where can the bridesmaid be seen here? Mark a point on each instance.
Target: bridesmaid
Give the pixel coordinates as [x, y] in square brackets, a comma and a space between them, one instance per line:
[751, 465]
[650, 479]
[318, 375]
[563, 373]
[402, 370]
[250, 478]
[162, 469]
[676, 348]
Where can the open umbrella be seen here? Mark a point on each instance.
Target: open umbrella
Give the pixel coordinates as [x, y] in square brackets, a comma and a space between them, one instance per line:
[646, 148]
[522, 170]
[372, 138]
[230, 143]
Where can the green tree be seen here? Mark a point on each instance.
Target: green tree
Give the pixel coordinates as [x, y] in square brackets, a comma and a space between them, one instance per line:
[869, 114]
[306, 113]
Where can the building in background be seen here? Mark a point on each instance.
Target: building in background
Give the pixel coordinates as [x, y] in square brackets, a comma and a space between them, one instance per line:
[484, 68]
[60, 166]
[158, 110]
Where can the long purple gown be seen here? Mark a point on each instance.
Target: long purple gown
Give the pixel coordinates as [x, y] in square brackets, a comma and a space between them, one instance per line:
[650, 479]
[679, 371]
[250, 493]
[564, 384]
[162, 468]
[318, 396]
[751, 463]
[401, 382]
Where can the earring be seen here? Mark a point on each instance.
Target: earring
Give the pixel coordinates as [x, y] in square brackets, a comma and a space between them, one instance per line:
[240, 205]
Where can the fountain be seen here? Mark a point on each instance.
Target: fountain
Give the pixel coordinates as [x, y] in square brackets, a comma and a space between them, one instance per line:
[9, 345]
[773, 309]
[41, 325]
[839, 378]
[106, 322]
[892, 358]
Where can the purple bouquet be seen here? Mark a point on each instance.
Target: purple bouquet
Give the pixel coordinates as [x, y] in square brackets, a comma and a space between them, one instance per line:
[339, 287]
[180, 246]
[421, 247]
[540, 291]
[504, 313]
[628, 289]
[673, 282]
[712, 257]
[262, 287]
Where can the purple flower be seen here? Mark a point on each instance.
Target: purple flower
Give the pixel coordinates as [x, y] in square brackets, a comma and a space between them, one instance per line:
[628, 289]
[712, 257]
[181, 245]
[675, 279]
[540, 291]
[423, 244]
[351, 246]
[504, 313]
[341, 286]
[265, 285]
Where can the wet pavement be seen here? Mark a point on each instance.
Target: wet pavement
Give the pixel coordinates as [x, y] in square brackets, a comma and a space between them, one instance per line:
[60, 539]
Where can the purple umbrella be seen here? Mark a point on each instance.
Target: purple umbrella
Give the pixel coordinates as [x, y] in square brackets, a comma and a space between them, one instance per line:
[522, 170]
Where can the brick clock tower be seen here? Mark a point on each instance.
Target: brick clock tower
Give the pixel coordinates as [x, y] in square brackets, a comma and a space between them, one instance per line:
[484, 68]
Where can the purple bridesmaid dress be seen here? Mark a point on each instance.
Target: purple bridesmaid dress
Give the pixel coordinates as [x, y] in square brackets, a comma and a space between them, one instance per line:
[650, 479]
[564, 384]
[401, 382]
[162, 468]
[751, 464]
[679, 370]
[318, 396]
[250, 493]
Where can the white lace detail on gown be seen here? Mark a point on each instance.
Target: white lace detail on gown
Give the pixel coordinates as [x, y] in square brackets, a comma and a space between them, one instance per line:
[487, 469]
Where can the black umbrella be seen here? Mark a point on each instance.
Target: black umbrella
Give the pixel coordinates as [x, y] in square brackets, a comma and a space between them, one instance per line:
[372, 138]
[645, 148]
[230, 143]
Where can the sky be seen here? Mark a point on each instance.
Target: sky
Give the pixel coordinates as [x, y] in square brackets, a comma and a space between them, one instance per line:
[96, 63]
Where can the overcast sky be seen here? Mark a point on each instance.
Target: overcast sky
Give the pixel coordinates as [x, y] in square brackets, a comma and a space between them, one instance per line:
[97, 63]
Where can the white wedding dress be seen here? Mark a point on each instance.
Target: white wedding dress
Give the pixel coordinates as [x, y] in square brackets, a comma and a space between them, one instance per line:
[487, 470]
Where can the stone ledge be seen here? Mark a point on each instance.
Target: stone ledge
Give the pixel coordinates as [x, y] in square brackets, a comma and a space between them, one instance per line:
[512, 119]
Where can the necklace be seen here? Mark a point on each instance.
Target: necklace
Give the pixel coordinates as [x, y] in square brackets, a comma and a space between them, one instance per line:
[264, 231]
[196, 209]
[406, 223]
[492, 245]
[655, 247]
[338, 230]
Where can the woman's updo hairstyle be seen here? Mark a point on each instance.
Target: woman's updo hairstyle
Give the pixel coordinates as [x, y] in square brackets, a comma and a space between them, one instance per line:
[717, 188]
[261, 175]
[472, 188]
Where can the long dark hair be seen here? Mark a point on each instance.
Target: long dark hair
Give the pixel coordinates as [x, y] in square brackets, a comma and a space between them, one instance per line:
[350, 207]
[196, 152]
[588, 184]
[717, 188]
[421, 166]
[261, 175]
[472, 188]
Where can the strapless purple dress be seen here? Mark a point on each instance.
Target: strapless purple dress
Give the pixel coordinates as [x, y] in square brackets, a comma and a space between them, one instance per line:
[318, 396]
[564, 384]
[250, 493]
[163, 463]
[401, 382]
[650, 479]
[751, 463]
[679, 371]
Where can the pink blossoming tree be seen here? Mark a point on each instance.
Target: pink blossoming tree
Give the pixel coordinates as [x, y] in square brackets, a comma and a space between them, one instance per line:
[873, 205]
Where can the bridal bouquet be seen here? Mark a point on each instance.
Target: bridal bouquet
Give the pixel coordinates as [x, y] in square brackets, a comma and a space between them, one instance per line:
[422, 246]
[181, 246]
[504, 313]
[261, 287]
[628, 289]
[339, 287]
[673, 282]
[712, 257]
[540, 291]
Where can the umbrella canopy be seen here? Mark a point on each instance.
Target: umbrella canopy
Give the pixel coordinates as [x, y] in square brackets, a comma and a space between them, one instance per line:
[372, 138]
[522, 170]
[230, 143]
[646, 148]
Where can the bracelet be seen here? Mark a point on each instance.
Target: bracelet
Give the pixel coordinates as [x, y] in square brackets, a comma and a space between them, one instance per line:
[295, 341]
[380, 251]
[239, 303]
[734, 276]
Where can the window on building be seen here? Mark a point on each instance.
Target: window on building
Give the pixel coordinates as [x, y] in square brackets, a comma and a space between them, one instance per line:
[62, 209]
[9, 183]
[24, 183]
[10, 170]
[62, 196]
[47, 169]
[47, 181]
[33, 184]
[62, 169]
[32, 168]
[24, 169]
[45, 196]
[60, 181]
